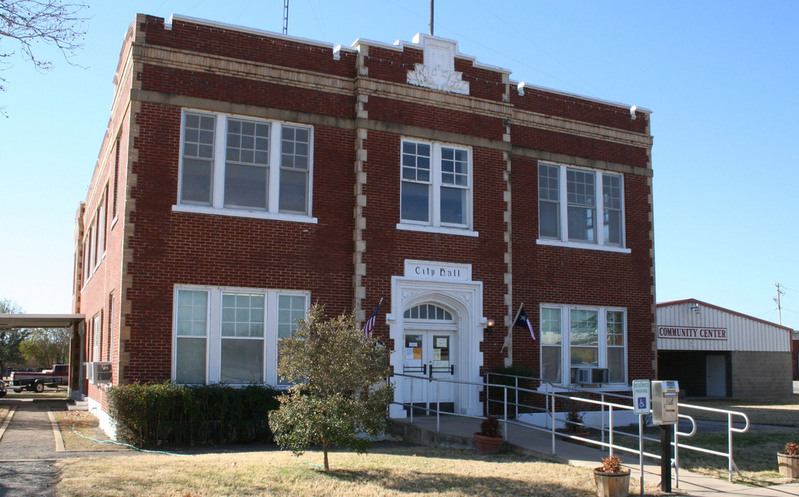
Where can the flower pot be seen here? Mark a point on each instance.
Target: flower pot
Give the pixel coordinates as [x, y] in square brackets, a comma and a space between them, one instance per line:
[488, 445]
[612, 484]
[788, 464]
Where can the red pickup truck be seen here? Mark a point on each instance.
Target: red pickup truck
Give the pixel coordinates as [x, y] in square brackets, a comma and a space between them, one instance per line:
[54, 378]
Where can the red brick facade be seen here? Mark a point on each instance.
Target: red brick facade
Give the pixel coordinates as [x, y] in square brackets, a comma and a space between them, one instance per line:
[360, 106]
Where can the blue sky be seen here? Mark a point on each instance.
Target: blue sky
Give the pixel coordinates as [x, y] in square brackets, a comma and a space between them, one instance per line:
[720, 77]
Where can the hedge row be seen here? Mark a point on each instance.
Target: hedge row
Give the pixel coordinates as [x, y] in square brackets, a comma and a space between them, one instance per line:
[179, 415]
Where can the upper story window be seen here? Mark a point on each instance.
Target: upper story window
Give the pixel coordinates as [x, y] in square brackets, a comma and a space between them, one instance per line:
[436, 191]
[239, 166]
[580, 207]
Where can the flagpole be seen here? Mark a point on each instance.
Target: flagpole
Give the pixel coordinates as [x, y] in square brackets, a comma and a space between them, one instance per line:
[508, 340]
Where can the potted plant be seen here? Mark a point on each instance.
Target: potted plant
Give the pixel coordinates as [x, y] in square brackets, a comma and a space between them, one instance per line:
[611, 479]
[788, 461]
[489, 439]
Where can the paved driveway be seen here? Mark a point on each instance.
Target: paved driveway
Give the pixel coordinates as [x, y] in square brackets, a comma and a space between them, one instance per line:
[27, 450]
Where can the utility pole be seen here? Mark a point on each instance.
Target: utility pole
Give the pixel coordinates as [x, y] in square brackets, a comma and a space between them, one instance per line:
[432, 10]
[779, 305]
[285, 17]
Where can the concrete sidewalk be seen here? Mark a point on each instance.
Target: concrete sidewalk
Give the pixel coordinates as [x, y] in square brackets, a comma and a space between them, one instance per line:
[456, 431]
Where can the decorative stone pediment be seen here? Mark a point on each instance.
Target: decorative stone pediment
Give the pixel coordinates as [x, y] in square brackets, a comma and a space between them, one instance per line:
[438, 71]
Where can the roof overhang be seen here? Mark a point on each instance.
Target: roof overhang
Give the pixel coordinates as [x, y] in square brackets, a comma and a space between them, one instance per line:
[12, 321]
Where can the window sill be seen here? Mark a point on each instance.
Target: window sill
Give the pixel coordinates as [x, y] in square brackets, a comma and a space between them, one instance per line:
[587, 246]
[437, 229]
[214, 211]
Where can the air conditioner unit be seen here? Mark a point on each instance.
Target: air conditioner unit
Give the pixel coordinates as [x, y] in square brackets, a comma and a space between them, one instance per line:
[101, 372]
[89, 371]
[587, 376]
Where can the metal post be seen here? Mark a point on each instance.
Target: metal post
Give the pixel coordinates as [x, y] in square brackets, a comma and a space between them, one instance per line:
[665, 458]
[641, 449]
[438, 407]
[411, 402]
[552, 425]
[602, 410]
[729, 441]
[505, 415]
[610, 422]
[516, 378]
[677, 454]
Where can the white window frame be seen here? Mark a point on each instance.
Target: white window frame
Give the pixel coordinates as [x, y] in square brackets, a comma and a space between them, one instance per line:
[602, 340]
[213, 349]
[97, 336]
[435, 225]
[217, 206]
[599, 243]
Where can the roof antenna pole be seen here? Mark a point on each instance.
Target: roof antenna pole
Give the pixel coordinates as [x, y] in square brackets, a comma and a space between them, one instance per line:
[432, 10]
[777, 300]
[285, 17]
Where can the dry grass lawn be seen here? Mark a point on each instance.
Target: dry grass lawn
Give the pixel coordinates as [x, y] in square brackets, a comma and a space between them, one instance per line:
[4, 414]
[387, 470]
[73, 424]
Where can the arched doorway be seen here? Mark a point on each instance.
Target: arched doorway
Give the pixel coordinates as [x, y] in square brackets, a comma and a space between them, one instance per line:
[430, 341]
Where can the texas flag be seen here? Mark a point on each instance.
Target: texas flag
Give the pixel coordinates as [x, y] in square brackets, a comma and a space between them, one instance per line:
[524, 322]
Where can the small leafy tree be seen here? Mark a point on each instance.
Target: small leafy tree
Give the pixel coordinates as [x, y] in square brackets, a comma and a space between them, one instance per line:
[46, 347]
[340, 391]
[10, 340]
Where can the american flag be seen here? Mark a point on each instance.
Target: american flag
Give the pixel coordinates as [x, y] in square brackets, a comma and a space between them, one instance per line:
[524, 322]
[369, 325]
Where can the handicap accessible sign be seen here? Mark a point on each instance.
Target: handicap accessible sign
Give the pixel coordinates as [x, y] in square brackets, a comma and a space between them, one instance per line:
[641, 402]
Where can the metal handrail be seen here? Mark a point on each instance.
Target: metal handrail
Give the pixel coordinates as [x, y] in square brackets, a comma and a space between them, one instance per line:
[603, 404]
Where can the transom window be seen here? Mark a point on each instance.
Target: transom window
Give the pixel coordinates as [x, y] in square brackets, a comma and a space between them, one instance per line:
[436, 185]
[582, 337]
[242, 166]
[428, 311]
[580, 206]
[230, 335]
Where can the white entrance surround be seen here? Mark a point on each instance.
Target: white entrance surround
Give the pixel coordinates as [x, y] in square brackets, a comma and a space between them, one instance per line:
[448, 285]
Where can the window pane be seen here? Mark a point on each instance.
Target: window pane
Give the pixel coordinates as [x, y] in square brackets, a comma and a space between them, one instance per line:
[190, 360]
[242, 315]
[246, 141]
[581, 205]
[550, 364]
[454, 167]
[242, 361]
[615, 325]
[245, 186]
[290, 309]
[613, 227]
[549, 219]
[453, 205]
[615, 364]
[295, 148]
[416, 161]
[612, 206]
[196, 181]
[293, 191]
[583, 327]
[550, 327]
[192, 313]
[584, 356]
[415, 202]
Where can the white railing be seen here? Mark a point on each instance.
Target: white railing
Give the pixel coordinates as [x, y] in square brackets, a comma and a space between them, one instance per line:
[513, 401]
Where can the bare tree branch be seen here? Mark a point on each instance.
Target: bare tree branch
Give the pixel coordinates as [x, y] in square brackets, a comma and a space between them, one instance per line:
[30, 23]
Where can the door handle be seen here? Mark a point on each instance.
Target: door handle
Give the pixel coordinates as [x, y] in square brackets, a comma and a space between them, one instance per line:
[430, 371]
[451, 369]
[424, 369]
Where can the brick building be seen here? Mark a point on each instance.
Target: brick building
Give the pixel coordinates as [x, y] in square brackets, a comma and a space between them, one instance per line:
[245, 175]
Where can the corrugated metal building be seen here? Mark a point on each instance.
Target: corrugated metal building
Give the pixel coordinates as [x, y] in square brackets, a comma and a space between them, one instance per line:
[716, 352]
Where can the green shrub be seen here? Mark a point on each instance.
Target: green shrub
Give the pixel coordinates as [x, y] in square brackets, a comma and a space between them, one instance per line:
[148, 415]
[496, 395]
